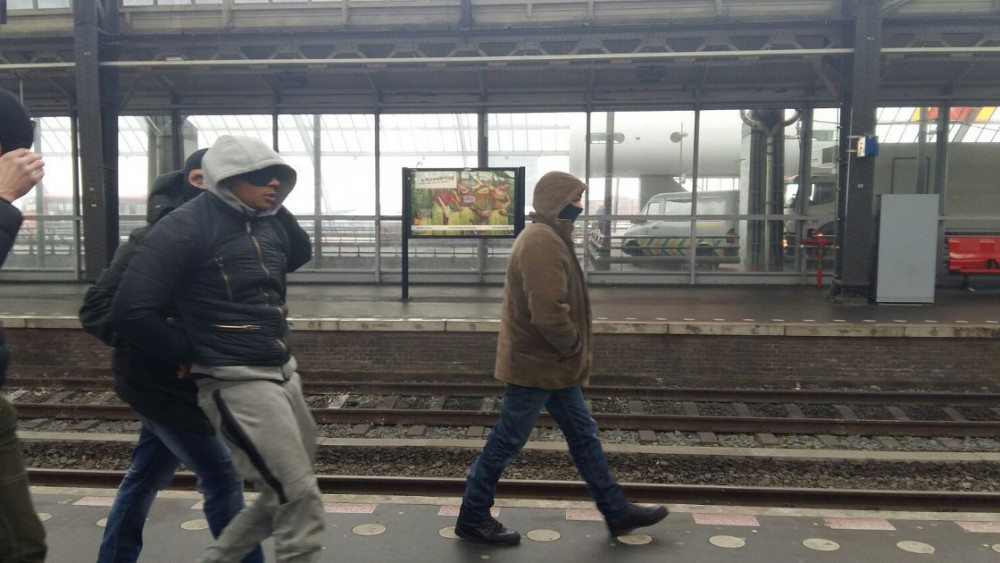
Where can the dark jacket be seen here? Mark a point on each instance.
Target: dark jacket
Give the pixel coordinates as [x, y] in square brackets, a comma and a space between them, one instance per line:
[224, 267]
[148, 384]
[10, 223]
[545, 318]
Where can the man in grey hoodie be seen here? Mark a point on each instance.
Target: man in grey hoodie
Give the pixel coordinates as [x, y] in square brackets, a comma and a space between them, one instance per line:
[221, 260]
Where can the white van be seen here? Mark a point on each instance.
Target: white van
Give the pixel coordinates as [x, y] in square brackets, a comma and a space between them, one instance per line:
[716, 240]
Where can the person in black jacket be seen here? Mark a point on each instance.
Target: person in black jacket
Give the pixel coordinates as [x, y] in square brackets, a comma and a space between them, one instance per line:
[222, 259]
[22, 537]
[173, 428]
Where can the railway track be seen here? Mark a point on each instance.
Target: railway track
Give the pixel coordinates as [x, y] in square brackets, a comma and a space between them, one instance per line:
[630, 408]
[937, 501]
[326, 383]
[627, 421]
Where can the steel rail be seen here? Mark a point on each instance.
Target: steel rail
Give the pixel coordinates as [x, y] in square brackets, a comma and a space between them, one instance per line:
[937, 501]
[629, 421]
[812, 396]
[319, 384]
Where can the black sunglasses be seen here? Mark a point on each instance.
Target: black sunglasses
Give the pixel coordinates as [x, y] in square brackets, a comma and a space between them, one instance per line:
[264, 176]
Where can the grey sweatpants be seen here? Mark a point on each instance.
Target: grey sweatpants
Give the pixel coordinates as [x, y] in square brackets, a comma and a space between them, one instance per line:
[272, 435]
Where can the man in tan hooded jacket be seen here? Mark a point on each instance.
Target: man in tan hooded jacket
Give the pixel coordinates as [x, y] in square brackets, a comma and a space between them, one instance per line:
[544, 356]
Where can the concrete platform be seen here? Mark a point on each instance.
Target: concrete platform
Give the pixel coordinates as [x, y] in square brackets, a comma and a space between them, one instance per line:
[375, 529]
[384, 529]
[713, 304]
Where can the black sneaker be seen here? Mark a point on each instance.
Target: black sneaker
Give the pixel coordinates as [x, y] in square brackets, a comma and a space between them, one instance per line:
[489, 532]
[636, 516]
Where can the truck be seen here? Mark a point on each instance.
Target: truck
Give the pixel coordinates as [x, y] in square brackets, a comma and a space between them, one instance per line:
[716, 238]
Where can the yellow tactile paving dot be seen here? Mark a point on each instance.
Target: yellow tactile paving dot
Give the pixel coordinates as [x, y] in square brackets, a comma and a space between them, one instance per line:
[368, 529]
[196, 524]
[819, 544]
[635, 539]
[543, 535]
[915, 547]
[728, 542]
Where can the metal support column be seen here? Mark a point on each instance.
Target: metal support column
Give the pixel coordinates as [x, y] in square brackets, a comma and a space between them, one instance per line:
[482, 161]
[941, 175]
[609, 179]
[941, 155]
[96, 26]
[855, 217]
[805, 183]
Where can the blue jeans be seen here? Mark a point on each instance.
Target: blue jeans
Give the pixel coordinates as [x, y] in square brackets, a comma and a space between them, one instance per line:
[155, 459]
[520, 410]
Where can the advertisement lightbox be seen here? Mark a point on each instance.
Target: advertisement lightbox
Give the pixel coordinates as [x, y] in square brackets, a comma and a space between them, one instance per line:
[463, 202]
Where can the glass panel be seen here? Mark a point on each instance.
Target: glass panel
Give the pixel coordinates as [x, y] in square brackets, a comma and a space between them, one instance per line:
[391, 248]
[44, 243]
[641, 165]
[440, 254]
[347, 148]
[211, 127]
[497, 251]
[540, 142]
[776, 209]
[810, 207]
[347, 245]
[47, 237]
[296, 147]
[972, 200]
[135, 173]
[422, 141]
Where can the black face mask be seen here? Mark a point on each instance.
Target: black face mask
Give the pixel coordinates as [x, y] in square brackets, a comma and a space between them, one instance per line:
[570, 212]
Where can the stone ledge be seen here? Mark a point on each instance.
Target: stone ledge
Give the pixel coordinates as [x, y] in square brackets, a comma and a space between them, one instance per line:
[814, 330]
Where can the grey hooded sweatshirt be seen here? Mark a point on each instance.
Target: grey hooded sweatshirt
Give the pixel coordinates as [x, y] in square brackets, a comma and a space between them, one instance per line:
[231, 156]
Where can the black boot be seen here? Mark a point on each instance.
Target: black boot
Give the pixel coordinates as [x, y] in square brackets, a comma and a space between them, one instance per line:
[635, 516]
[489, 532]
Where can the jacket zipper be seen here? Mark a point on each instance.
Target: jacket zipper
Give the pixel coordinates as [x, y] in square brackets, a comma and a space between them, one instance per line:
[267, 273]
[260, 253]
[225, 277]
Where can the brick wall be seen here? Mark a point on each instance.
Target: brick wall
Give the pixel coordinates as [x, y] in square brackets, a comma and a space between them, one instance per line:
[686, 360]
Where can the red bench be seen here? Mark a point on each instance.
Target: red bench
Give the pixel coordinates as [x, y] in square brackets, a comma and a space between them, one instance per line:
[973, 255]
